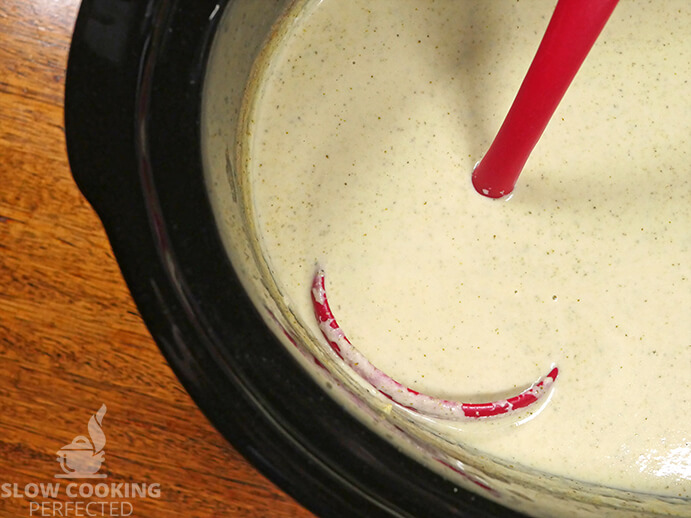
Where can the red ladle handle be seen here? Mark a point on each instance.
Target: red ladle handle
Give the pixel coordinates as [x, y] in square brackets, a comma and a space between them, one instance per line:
[571, 33]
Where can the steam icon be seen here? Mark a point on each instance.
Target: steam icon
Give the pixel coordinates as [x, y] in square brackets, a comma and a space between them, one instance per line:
[82, 458]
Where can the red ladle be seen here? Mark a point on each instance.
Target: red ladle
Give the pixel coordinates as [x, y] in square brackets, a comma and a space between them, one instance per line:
[571, 33]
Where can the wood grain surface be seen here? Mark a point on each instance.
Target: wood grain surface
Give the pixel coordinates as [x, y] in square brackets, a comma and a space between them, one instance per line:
[70, 336]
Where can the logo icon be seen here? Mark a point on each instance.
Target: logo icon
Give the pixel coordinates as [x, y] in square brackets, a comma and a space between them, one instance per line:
[82, 458]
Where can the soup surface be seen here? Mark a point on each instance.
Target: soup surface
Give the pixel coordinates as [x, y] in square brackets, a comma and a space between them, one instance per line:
[364, 124]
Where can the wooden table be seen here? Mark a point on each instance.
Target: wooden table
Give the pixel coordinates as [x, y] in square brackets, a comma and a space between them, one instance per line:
[71, 339]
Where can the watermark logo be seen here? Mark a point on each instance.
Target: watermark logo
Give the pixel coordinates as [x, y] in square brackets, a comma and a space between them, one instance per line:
[82, 458]
[81, 496]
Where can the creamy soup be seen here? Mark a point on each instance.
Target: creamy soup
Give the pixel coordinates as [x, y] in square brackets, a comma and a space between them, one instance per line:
[364, 123]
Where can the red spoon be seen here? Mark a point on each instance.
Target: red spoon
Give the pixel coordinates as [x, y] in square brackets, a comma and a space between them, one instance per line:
[571, 33]
[413, 400]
